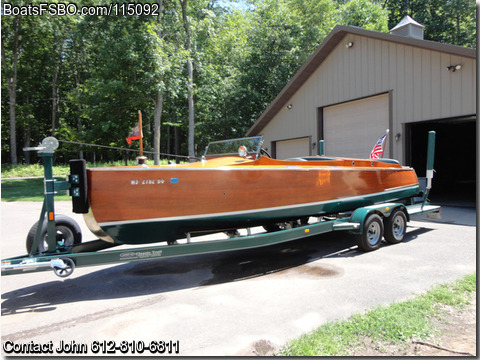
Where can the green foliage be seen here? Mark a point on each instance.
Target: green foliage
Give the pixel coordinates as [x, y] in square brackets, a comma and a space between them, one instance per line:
[22, 170]
[451, 22]
[397, 323]
[83, 78]
[127, 73]
[364, 13]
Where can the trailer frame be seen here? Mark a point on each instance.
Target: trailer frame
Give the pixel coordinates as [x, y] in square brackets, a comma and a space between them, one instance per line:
[362, 222]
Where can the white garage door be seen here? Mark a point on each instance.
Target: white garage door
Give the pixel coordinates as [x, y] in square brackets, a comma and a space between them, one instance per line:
[292, 148]
[352, 129]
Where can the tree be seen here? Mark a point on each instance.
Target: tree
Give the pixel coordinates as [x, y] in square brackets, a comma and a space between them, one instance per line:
[223, 40]
[451, 22]
[59, 33]
[188, 48]
[11, 50]
[157, 112]
[126, 77]
[363, 13]
[203, 68]
[282, 35]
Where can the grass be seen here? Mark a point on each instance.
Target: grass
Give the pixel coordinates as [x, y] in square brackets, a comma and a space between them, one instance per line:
[397, 323]
[22, 170]
[28, 190]
[17, 186]
[19, 171]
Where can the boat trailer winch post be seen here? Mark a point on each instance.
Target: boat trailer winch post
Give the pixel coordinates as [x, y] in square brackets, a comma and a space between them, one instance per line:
[50, 187]
[430, 160]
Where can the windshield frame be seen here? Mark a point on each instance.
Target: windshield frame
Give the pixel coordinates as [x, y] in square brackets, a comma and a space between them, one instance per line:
[236, 143]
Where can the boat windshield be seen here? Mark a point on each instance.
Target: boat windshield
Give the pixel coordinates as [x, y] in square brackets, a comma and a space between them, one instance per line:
[245, 147]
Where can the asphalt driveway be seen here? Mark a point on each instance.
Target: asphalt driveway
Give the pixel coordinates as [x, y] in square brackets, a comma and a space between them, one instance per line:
[223, 304]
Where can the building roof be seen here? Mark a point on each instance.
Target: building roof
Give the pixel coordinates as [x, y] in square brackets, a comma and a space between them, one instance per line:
[322, 52]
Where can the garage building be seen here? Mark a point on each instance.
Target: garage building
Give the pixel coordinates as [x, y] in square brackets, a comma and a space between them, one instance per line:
[358, 83]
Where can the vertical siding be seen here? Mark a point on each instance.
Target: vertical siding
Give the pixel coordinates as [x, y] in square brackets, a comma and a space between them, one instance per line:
[421, 87]
[456, 86]
[468, 82]
[415, 86]
[409, 91]
[400, 96]
[436, 87]
[426, 83]
[445, 97]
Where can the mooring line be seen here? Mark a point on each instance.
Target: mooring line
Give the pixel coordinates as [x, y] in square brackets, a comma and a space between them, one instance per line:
[126, 149]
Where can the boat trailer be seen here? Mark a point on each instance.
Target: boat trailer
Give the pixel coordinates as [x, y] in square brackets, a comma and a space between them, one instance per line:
[369, 224]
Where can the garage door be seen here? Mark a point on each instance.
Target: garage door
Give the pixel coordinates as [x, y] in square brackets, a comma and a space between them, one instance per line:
[351, 129]
[292, 148]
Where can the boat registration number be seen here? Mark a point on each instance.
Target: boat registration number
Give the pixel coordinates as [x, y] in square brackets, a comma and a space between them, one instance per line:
[147, 181]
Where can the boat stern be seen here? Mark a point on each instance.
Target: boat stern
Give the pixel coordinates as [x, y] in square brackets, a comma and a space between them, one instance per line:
[96, 230]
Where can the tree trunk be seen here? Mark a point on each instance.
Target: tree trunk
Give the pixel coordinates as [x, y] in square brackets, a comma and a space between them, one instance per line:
[177, 144]
[157, 118]
[58, 41]
[157, 113]
[191, 115]
[11, 76]
[54, 99]
[12, 92]
[27, 134]
[79, 106]
[26, 143]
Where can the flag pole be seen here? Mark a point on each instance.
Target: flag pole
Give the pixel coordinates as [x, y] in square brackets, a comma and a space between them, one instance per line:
[141, 131]
[385, 145]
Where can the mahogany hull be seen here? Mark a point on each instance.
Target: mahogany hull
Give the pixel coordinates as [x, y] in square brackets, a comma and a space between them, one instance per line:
[136, 205]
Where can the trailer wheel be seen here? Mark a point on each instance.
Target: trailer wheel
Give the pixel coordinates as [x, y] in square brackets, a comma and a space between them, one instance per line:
[68, 233]
[372, 234]
[395, 227]
[274, 227]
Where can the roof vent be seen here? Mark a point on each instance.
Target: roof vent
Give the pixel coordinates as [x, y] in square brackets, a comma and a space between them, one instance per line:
[409, 28]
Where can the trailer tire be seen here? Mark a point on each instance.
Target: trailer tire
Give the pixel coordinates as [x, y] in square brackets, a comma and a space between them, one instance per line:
[274, 227]
[395, 227]
[372, 234]
[67, 231]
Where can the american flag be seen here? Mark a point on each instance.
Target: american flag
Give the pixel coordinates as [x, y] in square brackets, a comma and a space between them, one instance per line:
[379, 147]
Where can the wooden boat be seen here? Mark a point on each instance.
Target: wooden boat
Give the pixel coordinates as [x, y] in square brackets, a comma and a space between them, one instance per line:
[229, 190]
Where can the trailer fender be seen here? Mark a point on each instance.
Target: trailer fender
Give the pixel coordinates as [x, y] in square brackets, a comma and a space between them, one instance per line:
[360, 215]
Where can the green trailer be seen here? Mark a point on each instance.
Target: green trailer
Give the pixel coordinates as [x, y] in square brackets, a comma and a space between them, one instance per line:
[54, 241]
